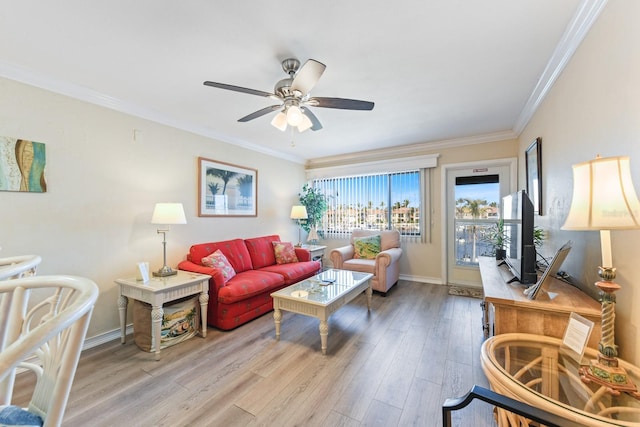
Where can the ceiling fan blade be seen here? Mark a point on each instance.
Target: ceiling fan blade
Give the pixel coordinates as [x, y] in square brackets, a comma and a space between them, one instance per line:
[238, 89]
[259, 113]
[341, 103]
[307, 76]
[316, 125]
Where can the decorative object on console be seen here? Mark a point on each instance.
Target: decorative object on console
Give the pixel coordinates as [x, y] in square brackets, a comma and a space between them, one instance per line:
[604, 199]
[298, 213]
[313, 236]
[167, 214]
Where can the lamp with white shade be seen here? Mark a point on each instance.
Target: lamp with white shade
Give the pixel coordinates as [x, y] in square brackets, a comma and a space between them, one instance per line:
[298, 213]
[167, 214]
[604, 199]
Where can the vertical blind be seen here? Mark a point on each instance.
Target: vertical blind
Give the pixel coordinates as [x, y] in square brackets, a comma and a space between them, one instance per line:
[375, 201]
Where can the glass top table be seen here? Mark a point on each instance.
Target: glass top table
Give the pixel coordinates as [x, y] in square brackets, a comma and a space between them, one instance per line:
[320, 296]
[535, 369]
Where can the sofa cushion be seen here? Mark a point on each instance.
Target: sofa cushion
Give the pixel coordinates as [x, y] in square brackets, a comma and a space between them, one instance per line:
[247, 284]
[285, 252]
[261, 250]
[219, 261]
[234, 250]
[366, 247]
[295, 272]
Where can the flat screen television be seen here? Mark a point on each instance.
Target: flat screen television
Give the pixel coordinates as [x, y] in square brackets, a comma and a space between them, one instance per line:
[518, 216]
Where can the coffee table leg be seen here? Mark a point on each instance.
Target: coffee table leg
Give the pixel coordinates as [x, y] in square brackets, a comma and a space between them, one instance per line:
[277, 317]
[369, 292]
[324, 333]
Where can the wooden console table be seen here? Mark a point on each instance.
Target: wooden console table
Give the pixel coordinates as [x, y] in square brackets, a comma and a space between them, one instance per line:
[506, 309]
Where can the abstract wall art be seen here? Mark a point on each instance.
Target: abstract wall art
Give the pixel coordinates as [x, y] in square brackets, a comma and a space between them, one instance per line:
[22, 165]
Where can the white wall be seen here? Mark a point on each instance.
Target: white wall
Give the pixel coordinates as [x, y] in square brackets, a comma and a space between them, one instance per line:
[594, 108]
[94, 220]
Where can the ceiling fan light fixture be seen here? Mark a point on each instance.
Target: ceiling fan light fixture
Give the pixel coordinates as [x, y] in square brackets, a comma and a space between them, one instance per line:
[305, 123]
[294, 115]
[280, 121]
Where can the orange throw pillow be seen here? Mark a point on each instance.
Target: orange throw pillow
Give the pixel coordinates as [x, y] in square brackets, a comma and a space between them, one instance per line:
[285, 252]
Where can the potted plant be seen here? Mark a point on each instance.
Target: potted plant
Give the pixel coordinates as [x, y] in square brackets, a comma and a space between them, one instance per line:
[316, 203]
[538, 237]
[497, 237]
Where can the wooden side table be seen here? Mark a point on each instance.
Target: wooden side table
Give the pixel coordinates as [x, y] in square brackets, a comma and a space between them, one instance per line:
[156, 292]
[317, 252]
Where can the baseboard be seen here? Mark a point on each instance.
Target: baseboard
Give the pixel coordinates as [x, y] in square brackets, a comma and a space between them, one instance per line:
[421, 279]
[105, 337]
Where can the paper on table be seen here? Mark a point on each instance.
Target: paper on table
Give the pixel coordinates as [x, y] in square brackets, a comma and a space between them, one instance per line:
[576, 336]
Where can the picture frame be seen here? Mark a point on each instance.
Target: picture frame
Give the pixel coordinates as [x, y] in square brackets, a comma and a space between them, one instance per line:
[225, 189]
[533, 164]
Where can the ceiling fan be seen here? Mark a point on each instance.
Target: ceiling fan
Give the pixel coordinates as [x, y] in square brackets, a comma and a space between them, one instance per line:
[295, 98]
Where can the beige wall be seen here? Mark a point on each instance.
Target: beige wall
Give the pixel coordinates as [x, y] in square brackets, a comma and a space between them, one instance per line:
[594, 108]
[94, 221]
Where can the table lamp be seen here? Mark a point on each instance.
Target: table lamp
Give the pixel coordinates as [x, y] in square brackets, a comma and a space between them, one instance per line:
[166, 214]
[604, 199]
[299, 212]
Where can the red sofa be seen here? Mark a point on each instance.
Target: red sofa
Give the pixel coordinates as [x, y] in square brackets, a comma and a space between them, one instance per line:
[247, 295]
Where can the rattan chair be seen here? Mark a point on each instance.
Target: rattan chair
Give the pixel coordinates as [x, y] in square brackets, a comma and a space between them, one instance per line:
[43, 329]
[18, 266]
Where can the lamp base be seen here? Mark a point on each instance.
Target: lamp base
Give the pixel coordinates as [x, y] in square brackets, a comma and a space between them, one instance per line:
[606, 372]
[165, 271]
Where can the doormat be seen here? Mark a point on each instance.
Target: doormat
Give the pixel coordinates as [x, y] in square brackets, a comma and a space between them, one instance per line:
[465, 292]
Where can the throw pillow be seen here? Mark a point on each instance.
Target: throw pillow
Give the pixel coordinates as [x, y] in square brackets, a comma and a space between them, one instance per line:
[218, 260]
[366, 247]
[11, 415]
[285, 252]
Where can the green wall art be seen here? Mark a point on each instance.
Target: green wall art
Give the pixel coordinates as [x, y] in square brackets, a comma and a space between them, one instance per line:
[22, 165]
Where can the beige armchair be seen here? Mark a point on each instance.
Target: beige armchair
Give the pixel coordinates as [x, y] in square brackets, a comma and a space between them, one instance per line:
[385, 267]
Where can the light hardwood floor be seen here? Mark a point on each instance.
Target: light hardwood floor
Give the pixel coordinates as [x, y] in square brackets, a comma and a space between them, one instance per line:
[392, 367]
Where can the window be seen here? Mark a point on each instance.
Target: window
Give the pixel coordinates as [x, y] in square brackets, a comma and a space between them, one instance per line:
[378, 201]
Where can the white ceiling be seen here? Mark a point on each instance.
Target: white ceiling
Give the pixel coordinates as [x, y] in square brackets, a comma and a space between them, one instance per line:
[436, 69]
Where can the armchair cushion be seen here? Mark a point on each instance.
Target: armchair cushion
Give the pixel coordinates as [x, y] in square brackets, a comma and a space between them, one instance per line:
[366, 247]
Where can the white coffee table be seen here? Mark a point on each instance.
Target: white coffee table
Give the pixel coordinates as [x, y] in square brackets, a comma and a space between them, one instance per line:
[312, 297]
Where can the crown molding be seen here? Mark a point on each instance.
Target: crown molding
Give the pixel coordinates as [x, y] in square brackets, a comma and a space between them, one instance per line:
[33, 78]
[586, 14]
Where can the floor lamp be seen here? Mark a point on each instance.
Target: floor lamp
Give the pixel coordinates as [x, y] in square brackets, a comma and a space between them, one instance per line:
[604, 199]
[167, 214]
[298, 213]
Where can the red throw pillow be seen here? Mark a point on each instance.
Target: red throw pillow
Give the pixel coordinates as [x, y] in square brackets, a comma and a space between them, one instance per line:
[285, 252]
[218, 260]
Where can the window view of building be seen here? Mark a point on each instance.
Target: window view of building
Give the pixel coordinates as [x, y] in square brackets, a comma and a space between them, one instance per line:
[381, 201]
[477, 211]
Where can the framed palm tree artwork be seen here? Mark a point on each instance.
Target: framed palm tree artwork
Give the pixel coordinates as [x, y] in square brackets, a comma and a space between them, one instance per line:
[225, 189]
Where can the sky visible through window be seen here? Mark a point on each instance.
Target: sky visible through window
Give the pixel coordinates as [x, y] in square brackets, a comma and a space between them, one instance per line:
[488, 192]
